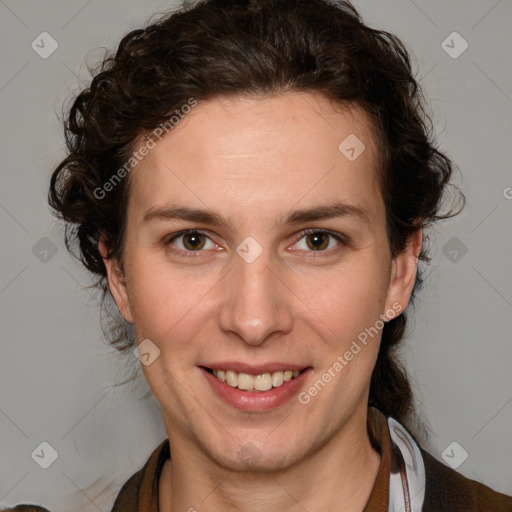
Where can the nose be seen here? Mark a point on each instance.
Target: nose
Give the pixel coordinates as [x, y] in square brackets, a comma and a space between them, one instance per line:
[257, 305]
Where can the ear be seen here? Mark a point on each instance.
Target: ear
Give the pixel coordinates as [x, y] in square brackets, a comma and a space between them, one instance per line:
[116, 282]
[403, 274]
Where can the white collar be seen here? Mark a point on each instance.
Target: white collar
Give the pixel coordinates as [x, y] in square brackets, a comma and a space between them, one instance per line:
[406, 487]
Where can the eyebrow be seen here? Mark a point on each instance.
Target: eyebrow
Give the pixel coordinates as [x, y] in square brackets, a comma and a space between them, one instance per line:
[205, 216]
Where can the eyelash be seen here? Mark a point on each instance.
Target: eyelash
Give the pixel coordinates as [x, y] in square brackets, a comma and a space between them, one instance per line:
[343, 241]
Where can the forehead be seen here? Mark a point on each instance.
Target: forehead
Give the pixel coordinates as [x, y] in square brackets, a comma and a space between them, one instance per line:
[246, 153]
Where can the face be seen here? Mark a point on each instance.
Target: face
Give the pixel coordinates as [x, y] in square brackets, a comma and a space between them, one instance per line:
[256, 246]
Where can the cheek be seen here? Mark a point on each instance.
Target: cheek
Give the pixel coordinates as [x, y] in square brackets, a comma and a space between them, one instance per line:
[166, 304]
[349, 304]
[346, 299]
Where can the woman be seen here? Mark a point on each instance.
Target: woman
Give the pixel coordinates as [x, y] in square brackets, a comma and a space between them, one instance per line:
[252, 181]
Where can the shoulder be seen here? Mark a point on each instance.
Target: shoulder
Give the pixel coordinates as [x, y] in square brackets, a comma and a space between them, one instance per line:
[128, 497]
[25, 508]
[140, 492]
[126, 501]
[447, 490]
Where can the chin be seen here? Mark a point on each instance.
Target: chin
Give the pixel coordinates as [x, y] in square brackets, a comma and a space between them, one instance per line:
[252, 460]
[257, 454]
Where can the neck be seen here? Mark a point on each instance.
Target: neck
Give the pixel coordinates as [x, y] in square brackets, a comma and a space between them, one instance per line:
[342, 471]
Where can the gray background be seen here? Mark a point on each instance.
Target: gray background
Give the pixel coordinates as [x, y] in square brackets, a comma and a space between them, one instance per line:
[58, 375]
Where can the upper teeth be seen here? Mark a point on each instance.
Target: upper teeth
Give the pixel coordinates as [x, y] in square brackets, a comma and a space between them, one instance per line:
[262, 382]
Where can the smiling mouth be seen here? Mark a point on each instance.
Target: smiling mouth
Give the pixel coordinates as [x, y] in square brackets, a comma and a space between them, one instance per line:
[255, 383]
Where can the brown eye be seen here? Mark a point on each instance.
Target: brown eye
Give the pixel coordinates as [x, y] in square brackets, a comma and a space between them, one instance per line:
[317, 241]
[193, 241]
[190, 241]
[320, 241]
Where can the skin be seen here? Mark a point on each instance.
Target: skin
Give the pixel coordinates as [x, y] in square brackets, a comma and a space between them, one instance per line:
[254, 160]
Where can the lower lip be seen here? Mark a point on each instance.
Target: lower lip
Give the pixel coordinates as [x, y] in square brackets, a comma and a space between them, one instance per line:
[257, 400]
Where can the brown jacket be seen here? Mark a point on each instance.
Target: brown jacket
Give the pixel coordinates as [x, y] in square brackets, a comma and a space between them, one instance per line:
[445, 489]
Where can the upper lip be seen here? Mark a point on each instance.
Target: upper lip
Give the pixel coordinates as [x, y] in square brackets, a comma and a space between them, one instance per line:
[240, 367]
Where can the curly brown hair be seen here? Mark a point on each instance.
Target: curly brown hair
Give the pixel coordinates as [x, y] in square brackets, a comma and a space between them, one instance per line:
[213, 48]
